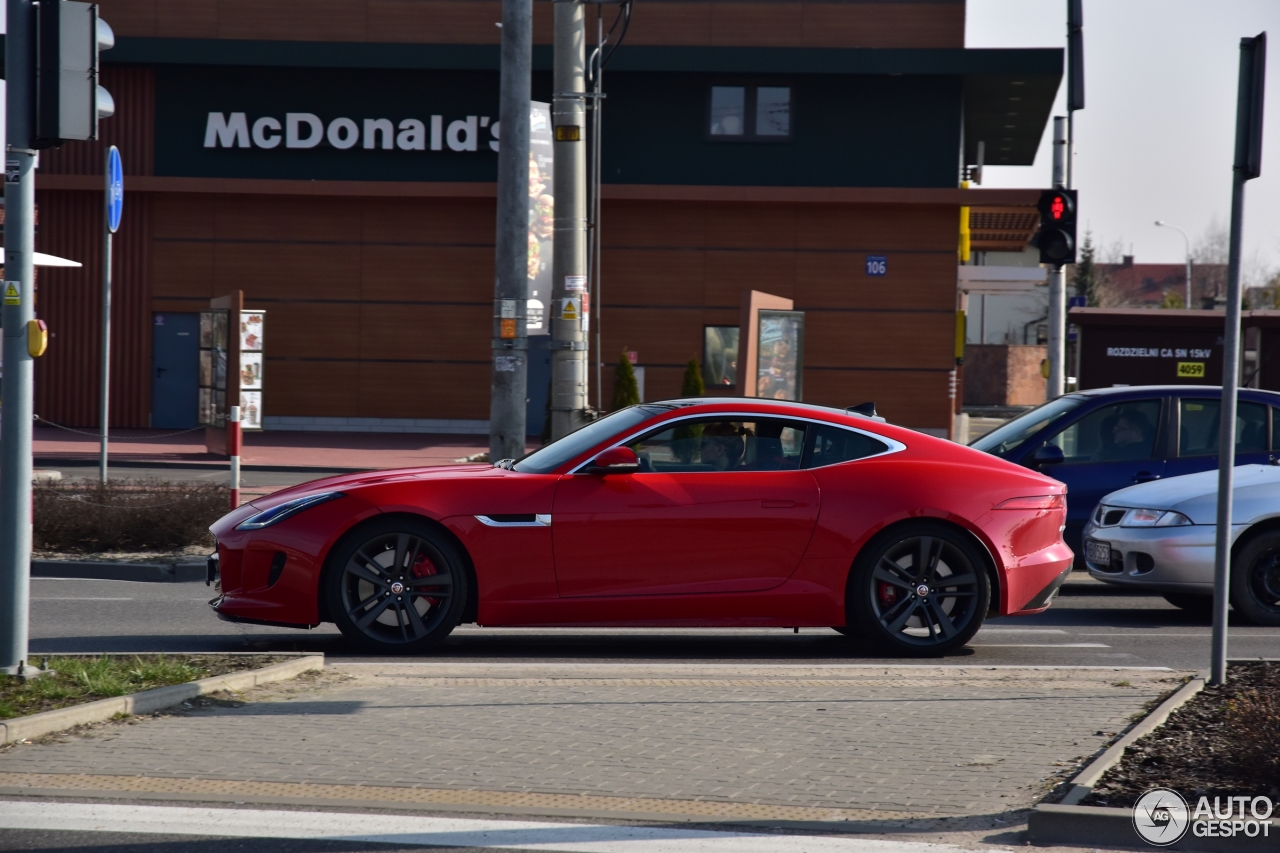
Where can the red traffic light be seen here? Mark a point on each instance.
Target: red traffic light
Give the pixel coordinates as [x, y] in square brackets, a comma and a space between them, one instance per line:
[1057, 208]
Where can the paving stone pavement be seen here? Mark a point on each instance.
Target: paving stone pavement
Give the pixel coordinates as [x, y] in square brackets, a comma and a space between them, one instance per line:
[926, 741]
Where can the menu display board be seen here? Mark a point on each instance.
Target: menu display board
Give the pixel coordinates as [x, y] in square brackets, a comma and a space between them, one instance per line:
[214, 340]
[541, 219]
[251, 332]
[779, 358]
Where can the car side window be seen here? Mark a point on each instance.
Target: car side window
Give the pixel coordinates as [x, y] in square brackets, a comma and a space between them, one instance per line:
[832, 444]
[722, 444]
[1112, 433]
[1275, 428]
[1198, 427]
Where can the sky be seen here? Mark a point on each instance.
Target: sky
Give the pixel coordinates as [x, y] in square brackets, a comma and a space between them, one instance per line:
[1155, 139]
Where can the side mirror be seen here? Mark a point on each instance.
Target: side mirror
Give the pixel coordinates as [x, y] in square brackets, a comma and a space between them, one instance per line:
[615, 460]
[1049, 454]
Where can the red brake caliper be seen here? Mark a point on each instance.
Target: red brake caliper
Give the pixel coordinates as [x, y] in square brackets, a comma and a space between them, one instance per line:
[887, 592]
[425, 568]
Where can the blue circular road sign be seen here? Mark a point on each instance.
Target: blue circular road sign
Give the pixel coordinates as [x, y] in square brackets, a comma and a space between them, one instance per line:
[115, 189]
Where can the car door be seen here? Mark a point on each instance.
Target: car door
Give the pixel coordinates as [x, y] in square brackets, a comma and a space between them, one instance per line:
[1197, 434]
[719, 505]
[1105, 449]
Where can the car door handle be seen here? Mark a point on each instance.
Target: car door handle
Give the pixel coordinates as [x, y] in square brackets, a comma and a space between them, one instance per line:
[777, 504]
[1145, 477]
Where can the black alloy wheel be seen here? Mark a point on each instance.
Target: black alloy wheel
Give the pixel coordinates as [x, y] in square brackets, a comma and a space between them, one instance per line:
[1255, 579]
[396, 586]
[921, 591]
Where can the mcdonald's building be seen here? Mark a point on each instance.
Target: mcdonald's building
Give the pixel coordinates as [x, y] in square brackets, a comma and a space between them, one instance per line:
[329, 167]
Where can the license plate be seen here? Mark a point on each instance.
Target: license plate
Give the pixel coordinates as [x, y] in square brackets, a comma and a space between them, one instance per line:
[1097, 552]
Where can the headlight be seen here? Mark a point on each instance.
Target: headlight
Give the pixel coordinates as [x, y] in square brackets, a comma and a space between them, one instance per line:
[1153, 518]
[268, 517]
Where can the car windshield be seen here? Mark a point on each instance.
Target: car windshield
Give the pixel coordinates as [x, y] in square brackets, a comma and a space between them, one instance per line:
[1009, 435]
[546, 459]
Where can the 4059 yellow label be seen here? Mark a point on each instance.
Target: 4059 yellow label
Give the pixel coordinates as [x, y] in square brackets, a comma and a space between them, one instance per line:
[1191, 369]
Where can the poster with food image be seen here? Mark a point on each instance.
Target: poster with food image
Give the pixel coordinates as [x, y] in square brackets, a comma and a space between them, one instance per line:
[206, 368]
[251, 330]
[251, 410]
[251, 371]
[541, 218]
[779, 355]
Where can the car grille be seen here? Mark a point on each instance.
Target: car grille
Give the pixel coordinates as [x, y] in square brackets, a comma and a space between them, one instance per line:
[1117, 562]
[1106, 516]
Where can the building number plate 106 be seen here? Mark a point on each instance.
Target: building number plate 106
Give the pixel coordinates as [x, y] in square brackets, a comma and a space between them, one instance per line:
[877, 265]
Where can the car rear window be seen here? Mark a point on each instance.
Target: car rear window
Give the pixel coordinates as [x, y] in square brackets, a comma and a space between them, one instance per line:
[832, 445]
[1198, 427]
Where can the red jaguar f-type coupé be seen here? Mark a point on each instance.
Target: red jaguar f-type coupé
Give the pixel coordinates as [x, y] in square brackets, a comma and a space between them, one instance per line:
[698, 512]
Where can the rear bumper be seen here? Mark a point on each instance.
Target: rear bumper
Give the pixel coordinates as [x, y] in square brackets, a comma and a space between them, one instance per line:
[1041, 600]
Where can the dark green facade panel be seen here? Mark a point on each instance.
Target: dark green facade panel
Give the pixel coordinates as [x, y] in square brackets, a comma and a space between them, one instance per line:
[848, 130]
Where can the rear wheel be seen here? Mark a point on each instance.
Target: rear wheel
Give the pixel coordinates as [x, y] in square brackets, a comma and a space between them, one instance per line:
[1255, 579]
[923, 590]
[1197, 605]
[396, 586]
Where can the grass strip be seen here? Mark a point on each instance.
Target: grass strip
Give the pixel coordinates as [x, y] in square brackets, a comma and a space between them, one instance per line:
[84, 678]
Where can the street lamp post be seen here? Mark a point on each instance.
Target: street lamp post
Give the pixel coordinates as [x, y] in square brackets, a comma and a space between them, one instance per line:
[1186, 240]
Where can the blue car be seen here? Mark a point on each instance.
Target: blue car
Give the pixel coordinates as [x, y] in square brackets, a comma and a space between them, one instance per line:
[1106, 439]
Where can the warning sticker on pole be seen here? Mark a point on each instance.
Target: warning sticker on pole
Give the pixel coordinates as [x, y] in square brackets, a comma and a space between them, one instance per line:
[12, 293]
[575, 283]
[571, 309]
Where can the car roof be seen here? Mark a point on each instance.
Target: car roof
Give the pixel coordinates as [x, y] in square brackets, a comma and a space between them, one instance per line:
[763, 402]
[1164, 389]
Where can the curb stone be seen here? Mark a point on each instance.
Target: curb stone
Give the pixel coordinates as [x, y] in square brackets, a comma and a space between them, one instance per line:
[150, 701]
[1070, 824]
[177, 572]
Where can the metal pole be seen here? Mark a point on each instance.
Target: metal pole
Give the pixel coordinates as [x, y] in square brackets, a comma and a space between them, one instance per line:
[1247, 164]
[18, 310]
[235, 442]
[1057, 313]
[1071, 149]
[598, 303]
[1188, 304]
[1226, 438]
[569, 254]
[509, 387]
[105, 384]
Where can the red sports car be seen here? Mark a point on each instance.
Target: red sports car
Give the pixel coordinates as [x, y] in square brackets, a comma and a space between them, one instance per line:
[708, 512]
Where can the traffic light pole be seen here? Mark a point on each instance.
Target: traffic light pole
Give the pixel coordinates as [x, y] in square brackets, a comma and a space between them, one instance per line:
[1057, 312]
[509, 385]
[569, 253]
[16, 408]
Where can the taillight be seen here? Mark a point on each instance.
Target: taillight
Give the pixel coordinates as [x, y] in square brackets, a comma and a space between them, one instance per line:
[1037, 502]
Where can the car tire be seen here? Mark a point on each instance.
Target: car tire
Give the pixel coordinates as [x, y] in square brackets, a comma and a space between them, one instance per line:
[1255, 579]
[1200, 606]
[889, 575]
[396, 586]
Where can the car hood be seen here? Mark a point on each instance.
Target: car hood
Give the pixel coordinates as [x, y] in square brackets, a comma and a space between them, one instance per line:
[1256, 493]
[348, 483]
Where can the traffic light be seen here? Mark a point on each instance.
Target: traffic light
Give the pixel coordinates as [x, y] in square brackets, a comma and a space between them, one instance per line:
[68, 99]
[1057, 238]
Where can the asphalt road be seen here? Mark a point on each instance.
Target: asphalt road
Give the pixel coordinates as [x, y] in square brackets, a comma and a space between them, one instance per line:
[249, 479]
[1088, 625]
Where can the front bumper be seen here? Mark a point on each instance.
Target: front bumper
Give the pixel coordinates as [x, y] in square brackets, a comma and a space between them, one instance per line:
[1166, 559]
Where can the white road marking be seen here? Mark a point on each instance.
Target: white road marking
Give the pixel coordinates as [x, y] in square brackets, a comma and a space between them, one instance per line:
[1001, 630]
[410, 829]
[70, 598]
[1040, 645]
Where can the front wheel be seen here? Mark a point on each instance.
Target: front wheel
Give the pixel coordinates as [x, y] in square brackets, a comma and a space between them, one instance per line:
[1255, 579]
[396, 586]
[921, 591]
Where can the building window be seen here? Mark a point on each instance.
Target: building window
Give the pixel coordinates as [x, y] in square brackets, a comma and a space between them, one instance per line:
[720, 356]
[758, 113]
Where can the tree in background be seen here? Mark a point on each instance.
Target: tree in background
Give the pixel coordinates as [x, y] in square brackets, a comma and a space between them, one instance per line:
[1086, 277]
[625, 390]
[1173, 299]
[692, 385]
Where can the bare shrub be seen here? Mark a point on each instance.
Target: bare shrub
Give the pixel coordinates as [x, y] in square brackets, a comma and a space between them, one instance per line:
[85, 516]
[1252, 725]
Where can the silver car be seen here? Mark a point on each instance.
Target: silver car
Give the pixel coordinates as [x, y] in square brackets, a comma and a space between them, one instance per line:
[1160, 536]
